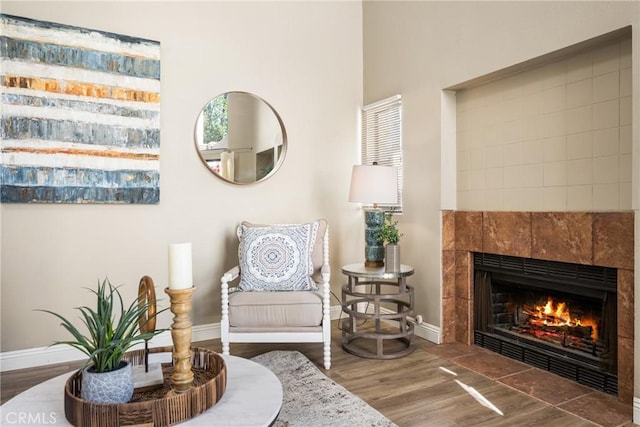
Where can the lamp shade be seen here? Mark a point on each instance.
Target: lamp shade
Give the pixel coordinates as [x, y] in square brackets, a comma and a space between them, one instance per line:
[375, 184]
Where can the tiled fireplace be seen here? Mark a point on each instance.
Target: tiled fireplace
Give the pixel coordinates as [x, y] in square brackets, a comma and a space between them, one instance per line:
[602, 239]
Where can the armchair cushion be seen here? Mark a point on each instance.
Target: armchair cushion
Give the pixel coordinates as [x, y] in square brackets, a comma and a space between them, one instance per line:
[277, 257]
[275, 309]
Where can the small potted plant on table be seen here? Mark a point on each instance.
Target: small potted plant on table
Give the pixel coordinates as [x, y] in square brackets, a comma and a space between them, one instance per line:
[112, 330]
[390, 236]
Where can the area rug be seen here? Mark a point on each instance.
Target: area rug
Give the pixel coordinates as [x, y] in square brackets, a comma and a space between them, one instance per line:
[311, 399]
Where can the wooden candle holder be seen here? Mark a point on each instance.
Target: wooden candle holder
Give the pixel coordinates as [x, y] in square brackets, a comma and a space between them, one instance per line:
[182, 377]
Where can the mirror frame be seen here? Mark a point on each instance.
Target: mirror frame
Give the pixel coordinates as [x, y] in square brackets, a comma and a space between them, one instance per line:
[281, 157]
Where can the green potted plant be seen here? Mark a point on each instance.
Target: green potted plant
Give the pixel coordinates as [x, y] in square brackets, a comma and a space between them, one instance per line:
[112, 330]
[389, 233]
[390, 237]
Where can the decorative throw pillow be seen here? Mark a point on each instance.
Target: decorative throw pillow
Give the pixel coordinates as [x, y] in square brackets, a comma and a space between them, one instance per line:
[277, 257]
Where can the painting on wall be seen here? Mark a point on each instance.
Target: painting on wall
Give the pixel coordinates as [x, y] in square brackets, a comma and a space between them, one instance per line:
[80, 115]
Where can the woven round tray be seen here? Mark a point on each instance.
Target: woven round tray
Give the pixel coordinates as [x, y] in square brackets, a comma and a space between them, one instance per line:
[158, 407]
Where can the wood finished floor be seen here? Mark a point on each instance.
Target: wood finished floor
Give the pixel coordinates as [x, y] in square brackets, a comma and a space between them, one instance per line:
[415, 391]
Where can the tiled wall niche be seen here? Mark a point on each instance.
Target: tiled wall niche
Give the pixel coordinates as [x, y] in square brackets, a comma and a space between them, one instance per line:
[592, 238]
[556, 137]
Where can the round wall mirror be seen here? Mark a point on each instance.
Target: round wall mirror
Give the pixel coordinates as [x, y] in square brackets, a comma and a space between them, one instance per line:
[240, 138]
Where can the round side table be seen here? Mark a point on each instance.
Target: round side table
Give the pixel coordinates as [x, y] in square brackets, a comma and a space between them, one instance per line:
[387, 300]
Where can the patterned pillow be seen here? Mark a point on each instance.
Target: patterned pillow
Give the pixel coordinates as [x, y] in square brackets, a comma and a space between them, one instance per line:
[277, 257]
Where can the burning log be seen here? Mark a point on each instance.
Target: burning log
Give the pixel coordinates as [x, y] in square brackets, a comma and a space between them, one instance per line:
[582, 332]
[550, 323]
[586, 344]
[532, 312]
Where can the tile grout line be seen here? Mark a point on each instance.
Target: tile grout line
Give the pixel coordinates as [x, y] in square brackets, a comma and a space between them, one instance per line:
[531, 396]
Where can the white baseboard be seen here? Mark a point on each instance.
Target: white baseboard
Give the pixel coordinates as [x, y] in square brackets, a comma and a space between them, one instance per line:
[40, 356]
[429, 332]
[423, 330]
[636, 410]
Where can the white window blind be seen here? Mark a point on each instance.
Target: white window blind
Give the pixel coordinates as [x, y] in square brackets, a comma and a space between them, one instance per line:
[382, 138]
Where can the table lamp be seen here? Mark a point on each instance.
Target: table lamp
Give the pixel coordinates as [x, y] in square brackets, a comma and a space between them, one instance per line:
[371, 185]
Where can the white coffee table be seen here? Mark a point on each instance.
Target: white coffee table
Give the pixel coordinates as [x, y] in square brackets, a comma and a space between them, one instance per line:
[253, 397]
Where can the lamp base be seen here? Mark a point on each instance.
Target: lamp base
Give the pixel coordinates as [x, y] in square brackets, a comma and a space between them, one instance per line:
[374, 248]
[374, 264]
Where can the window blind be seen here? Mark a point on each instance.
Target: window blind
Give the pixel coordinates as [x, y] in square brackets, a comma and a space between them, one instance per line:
[382, 138]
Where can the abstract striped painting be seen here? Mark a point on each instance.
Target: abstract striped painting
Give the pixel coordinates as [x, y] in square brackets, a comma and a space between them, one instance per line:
[80, 115]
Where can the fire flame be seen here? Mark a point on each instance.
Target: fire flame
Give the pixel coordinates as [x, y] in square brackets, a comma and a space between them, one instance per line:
[558, 314]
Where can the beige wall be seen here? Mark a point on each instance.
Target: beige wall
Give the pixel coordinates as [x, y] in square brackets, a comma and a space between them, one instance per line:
[304, 58]
[553, 138]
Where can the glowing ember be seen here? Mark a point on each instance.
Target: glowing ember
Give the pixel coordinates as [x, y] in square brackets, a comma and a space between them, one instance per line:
[558, 314]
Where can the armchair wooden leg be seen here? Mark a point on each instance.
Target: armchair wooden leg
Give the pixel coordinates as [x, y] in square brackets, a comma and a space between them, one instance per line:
[327, 355]
[225, 348]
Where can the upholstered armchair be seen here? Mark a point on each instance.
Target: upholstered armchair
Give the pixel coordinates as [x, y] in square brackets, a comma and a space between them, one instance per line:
[283, 291]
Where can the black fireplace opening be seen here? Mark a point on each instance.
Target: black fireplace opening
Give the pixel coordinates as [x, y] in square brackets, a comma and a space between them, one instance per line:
[560, 317]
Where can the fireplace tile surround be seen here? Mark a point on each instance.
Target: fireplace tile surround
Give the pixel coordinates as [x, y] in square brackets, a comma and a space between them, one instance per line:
[591, 238]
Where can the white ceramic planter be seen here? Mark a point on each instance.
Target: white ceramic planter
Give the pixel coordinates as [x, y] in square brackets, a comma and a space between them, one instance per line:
[392, 258]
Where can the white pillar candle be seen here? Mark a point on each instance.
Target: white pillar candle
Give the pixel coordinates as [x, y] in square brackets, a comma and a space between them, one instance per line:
[180, 268]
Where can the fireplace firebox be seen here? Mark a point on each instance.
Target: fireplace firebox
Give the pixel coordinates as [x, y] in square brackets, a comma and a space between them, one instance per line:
[556, 316]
